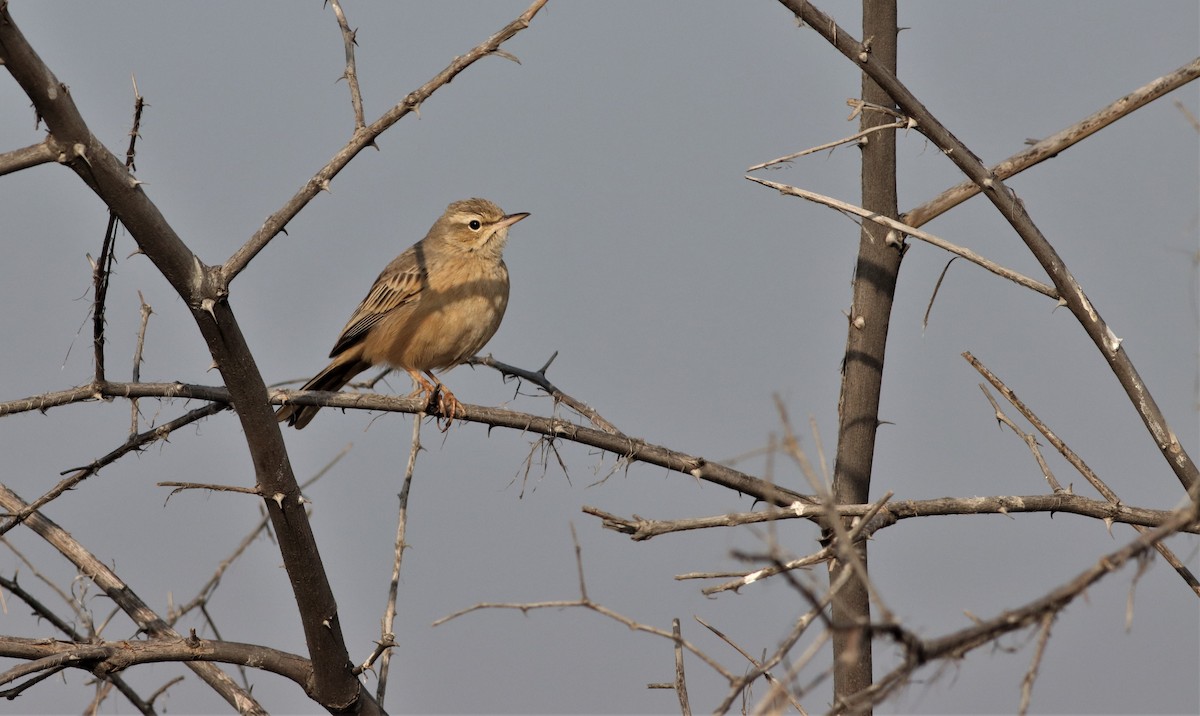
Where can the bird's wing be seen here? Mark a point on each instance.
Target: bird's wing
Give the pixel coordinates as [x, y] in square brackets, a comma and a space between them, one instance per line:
[399, 285]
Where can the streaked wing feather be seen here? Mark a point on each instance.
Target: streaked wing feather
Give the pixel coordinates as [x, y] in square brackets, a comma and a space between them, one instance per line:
[392, 290]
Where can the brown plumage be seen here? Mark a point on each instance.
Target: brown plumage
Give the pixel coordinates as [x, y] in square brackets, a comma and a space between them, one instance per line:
[433, 307]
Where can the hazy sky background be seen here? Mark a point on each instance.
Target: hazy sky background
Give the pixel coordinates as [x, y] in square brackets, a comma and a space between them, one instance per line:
[679, 296]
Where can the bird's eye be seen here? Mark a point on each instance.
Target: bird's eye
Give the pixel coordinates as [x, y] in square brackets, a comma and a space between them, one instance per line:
[474, 224]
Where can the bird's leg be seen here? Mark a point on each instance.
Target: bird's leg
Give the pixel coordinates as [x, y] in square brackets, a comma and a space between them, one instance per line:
[425, 389]
[448, 405]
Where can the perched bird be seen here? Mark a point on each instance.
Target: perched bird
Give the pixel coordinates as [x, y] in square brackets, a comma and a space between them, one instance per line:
[432, 308]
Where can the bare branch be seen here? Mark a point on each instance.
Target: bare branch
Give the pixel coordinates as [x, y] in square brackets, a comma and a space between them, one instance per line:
[110, 657]
[916, 233]
[388, 622]
[205, 591]
[1031, 675]
[133, 444]
[830, 145]
[1028, 438]
[919, 652]
[1082, 467]
[349, 39]
[365, 137]
[539, 379]
[119, 592]
[641, 528]
[1054, 144]
[766, 673]
[136, 376]
[1013, 210]
[586, 603]
[43, 152]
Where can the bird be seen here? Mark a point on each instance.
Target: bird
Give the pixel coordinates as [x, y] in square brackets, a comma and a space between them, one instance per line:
[432, 308]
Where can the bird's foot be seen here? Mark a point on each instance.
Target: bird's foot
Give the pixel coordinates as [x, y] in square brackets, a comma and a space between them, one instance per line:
[447, 406]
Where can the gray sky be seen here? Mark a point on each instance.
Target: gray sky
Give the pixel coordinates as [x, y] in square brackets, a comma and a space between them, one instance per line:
[679, 296]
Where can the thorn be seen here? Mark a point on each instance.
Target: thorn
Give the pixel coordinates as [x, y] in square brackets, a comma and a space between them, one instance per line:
[80, 151]
[859, 322]
[506, 55]
[208, 306]
[278, 498]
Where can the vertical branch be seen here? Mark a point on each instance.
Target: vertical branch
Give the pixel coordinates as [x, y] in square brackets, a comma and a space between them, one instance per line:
[351, 74]
[680, 682]
[1013, 210]
[389, 614]
[137, 364]
[102, 267]
[862, 378]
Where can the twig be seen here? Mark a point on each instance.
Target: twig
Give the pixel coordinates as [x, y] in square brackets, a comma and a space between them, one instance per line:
[365, 137]
[766, 673]
[586, 603]
[919, 652]
[206, 591]
[830, 145]
[969, 255]
[181, 486]
[539, 379]
[816, 612]
[350, 39]
[387, 635]
[1056, 143]
[680, 681]
[1028, 438]
[102, 267]
[119, 592]
[1082, 467]
[137, 362]
[1013, 211]
[1031, 675]
[135, 443]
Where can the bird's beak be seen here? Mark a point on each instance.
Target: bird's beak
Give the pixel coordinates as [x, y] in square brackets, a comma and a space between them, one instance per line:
[511, 219]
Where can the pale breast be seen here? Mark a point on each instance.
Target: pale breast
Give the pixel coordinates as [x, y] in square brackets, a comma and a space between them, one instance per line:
[455, 315]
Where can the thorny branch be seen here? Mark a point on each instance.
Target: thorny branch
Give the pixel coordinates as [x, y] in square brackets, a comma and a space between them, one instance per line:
[1013, 211]
[1082, 467]
[919, 652]
[387, 624]
[137, 610]
[364, 137]
[914, 232]
[349, 39]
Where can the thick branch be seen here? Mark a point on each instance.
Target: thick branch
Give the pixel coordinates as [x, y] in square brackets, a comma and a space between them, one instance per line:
[640, 528]
[107, 658]
[43, 152]
[203, 290]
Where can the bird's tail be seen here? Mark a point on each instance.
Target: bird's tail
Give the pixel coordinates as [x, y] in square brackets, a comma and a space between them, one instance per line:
[336, 375]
